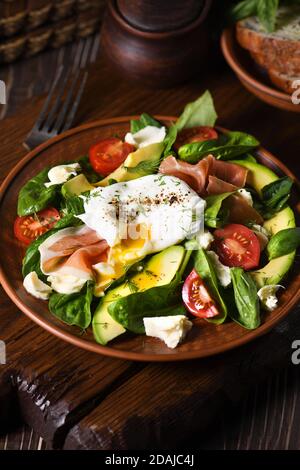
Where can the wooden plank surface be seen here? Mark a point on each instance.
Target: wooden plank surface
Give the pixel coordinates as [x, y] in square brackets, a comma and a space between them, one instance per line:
[78, 400]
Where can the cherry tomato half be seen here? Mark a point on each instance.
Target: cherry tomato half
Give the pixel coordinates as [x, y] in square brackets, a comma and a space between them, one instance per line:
[197, 298]
[238, 246]
[108, 154]
[195, 134]
[29, 227]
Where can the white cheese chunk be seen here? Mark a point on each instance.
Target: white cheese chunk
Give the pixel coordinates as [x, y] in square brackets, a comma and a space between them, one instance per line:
[36, 287]
[171, 329]
[267, 296]
[222, 272]
[104, 269]
[146, 136]
[66, 283]
[61, 173]
[205, 239]
[246, 195]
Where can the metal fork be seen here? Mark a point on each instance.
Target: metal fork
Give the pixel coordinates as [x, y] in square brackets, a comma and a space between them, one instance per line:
[71, 79]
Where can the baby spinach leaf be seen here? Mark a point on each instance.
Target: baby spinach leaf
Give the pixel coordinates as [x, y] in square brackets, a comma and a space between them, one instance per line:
[129, 311]
[226, 147]
[34, 196]
[145, 120]
[215, 215]
[206, 271]
[88, 170]
[275, 195]
[73, 309]
[198, 113]
[74, 205]
[283, 242]
[246, 299]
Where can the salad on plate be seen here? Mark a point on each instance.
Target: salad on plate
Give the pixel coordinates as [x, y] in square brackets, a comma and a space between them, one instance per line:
[159, 229]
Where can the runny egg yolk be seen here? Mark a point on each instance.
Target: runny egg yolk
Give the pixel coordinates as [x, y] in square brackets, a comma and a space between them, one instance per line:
[121, 256]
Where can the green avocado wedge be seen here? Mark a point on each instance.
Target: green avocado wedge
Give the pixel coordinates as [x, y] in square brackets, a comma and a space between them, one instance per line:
[158, 271]
[273, 272]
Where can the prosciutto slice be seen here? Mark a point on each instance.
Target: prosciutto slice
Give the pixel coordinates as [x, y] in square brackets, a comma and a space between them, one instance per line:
[218, 186]
[208, 176]
[194, 175]
[72, 251]
[240, 212]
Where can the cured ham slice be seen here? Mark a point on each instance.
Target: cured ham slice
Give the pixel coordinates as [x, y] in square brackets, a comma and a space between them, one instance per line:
[208, 176]
[218, 186]
[229, 172]
[194, 175]
[72, 251]
[240, 212]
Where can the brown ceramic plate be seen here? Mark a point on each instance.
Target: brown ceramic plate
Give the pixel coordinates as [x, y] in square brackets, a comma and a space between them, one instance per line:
[204, 340]
[254, 78]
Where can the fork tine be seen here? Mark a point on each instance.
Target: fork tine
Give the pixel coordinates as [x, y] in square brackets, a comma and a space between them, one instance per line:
[49, 124]
[49, 97]
[93, 56]
[84, 59]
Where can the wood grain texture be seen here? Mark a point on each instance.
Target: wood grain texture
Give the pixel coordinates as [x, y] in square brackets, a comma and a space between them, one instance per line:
[271, 405]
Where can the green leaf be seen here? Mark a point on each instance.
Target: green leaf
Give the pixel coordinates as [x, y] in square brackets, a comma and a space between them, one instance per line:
[275, 196]
[283, 242]
[73, 309]
[226, 147]
[158, 301]
[34, 196]
[145, 120]
[74, 206]
[243, 9]
[206, 271]
[215, 215]
[246, 299]
[266, 12]
[198, 113]
[88, 170]
[170, 139]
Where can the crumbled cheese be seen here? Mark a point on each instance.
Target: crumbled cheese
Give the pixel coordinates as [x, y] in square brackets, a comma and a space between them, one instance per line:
[146, 136]
[246, 195]
[222, 272]
[61, 173]
[205, 239]
[66, 283]
[267, 296]
[104, 269]
[171, 329]
[36, 287]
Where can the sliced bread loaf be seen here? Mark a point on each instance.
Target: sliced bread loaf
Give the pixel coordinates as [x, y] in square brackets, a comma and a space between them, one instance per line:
[284, 42]
[284, 81]
[277, 63]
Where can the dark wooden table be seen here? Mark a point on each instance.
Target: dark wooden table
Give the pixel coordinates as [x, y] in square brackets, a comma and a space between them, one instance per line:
[245, 399]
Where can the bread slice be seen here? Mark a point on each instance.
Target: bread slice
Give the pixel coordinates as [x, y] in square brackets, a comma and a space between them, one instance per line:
[283, 43]
[272, 61]
[283, 81]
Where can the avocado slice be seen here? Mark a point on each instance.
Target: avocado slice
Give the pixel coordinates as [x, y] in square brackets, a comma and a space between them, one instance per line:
[77, 185]
[273, 272]
[142, 162]
[159, 270]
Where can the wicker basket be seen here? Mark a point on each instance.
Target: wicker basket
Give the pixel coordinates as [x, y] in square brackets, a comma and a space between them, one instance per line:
[17, 16]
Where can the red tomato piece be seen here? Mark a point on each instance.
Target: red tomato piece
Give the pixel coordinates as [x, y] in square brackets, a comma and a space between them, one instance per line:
[108, 154]
[195, 134]
[30, 227]
[197, 298]
[237, 245]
